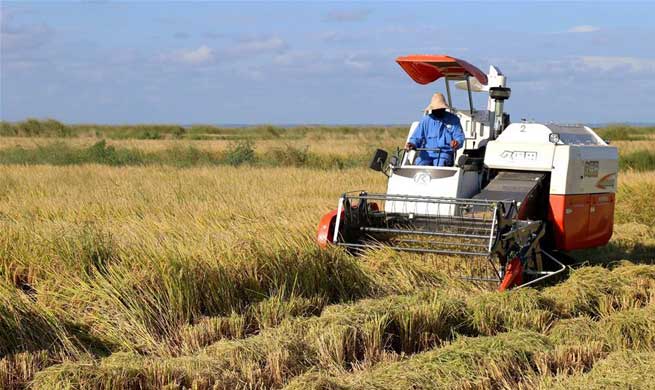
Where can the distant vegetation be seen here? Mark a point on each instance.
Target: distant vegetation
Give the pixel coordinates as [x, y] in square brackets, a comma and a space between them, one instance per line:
[640, 160]
[54, 128]
[241, 147]
[626, 132]
[237, 153]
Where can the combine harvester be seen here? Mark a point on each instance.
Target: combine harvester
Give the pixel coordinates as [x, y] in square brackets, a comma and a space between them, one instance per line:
[518, 196]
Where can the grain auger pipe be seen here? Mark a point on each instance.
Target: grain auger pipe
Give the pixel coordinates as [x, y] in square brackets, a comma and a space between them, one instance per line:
[514, 199]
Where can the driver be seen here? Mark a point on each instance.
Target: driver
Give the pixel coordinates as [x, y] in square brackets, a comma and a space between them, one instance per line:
[438, 129]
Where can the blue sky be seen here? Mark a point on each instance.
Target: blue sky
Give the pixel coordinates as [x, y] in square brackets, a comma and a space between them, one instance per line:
[316, 62]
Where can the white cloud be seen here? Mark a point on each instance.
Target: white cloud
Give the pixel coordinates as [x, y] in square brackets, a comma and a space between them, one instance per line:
[534, 85]
[337, 36]
[22, 37]
[294, 58]
[201, 55]
[20, 65]
[243, 48]
[305, 63]
[354, 15]
[356, 63]
[607, 63]
[252, 73]
[213, 35]
[583, 29]
[255, 45]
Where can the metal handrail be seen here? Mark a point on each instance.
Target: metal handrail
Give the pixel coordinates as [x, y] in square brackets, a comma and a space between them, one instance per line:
[410, 249]
[430, 199]
[423, 233]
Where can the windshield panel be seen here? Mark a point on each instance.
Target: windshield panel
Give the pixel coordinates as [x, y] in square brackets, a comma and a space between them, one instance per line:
[575, 135]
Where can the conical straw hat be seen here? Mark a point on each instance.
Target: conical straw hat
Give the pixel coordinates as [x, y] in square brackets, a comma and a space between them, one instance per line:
[437, 102]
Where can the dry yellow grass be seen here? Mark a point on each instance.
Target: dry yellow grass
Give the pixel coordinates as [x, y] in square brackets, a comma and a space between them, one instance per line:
[347, 145]
[635, 198]
[154, 276]
[633, 146]
[344, 145]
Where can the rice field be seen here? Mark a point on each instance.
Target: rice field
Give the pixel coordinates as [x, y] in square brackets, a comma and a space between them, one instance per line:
[207, 277]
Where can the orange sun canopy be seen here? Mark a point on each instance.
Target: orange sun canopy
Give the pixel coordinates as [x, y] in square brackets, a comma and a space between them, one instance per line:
[426, 68]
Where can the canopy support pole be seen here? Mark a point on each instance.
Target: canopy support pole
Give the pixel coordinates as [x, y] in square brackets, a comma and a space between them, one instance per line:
[450, 102]
[468, 89]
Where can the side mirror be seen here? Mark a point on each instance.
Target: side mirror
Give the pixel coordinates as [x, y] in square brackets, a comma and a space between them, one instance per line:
[553, 138]
[379, 158]
[393, 161]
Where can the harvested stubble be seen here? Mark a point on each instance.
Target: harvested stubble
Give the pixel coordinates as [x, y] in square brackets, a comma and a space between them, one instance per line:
[597, 291]
[620, 370]
[265, 314]
[360, 333]
[506, 360]
[467, 363]
[278, 361]
[627, 329]
[499, 312]
[17, 370]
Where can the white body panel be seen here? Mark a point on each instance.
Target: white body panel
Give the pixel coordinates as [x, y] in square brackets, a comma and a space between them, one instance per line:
[446, 182]
[584, 170]
[476, 129]
[522, 146]
[519, 156]
[581, 162]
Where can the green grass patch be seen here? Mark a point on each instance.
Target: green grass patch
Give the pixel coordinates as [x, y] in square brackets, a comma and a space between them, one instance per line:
[640, 160]
[618, 132]
[239, 153]
[59, 153]
[53, 128]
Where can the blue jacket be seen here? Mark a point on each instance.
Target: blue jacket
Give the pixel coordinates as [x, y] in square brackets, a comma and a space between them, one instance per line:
[433, 132]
